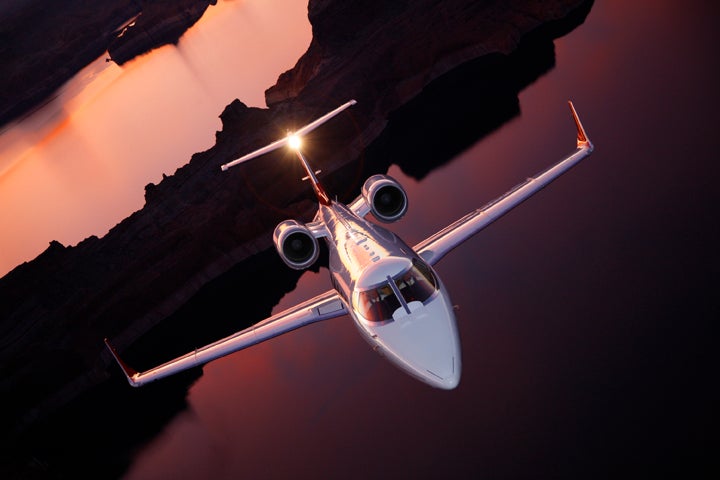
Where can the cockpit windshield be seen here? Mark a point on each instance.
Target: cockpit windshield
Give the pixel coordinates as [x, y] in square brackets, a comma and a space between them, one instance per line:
[417, 284]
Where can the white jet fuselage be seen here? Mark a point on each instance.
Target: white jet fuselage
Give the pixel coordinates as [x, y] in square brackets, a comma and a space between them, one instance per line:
[379, 279]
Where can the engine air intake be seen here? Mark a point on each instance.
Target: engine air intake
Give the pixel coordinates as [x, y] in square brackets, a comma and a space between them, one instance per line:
[296, 244]
[387, 199]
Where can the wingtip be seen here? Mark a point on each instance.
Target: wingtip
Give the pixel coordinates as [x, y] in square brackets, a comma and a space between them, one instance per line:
[127, 370]
[583, 141]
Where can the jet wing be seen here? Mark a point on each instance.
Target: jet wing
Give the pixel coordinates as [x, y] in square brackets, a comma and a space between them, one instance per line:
[438, 245]
[323, 307]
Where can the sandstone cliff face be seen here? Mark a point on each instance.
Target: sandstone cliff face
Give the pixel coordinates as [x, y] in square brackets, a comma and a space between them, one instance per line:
[200, 222]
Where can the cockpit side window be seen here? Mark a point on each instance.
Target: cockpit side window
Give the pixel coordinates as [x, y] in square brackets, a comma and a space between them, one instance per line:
[416, 284]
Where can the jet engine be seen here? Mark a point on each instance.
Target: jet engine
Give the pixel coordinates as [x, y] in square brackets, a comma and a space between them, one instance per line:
[387, 199]
[296, 244]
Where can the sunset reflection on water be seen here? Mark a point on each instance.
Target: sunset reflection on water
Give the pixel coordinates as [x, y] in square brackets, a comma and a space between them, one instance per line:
[79, 165]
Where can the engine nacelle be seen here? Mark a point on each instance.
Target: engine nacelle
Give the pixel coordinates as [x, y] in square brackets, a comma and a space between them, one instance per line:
[296, 244]
[386, 197]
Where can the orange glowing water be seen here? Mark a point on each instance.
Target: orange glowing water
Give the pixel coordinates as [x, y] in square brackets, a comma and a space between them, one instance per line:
[78, 166]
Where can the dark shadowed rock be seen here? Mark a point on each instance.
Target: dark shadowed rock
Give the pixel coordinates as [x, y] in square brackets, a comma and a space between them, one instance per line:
[162, 22]
[201, 224]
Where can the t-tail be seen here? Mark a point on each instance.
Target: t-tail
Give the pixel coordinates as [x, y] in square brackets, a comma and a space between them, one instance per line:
[294, 141]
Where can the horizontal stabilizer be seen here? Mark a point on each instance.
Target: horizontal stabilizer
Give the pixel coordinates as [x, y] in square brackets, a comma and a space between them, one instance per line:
[284, 141]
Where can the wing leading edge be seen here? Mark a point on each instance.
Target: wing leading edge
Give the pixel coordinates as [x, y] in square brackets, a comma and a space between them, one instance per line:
[440, 244]
[323, 307]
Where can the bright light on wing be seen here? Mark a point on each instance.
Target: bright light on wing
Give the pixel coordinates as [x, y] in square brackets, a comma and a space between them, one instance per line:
[294, 142]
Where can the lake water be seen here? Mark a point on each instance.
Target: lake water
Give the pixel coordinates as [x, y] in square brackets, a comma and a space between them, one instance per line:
[78, 166]
[584, 314]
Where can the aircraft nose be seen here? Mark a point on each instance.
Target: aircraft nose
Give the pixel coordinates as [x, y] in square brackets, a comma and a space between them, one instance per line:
[450, 379]
[426, 344]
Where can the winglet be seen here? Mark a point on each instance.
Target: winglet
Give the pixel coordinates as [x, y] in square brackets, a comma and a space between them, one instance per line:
[129, 372]
[583, 141]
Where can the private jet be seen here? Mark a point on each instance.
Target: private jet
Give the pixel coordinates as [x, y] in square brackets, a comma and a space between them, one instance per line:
[395, 298]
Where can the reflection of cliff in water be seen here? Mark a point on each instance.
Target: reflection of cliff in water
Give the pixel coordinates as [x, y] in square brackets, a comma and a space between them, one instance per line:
[466, 104]
[126, 418]
[451, 113]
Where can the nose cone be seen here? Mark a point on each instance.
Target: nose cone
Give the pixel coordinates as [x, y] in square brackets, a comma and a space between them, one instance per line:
[425, 343]
[449, 382]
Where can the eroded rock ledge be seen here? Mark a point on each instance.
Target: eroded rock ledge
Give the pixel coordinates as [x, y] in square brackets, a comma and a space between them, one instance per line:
[199, 223]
